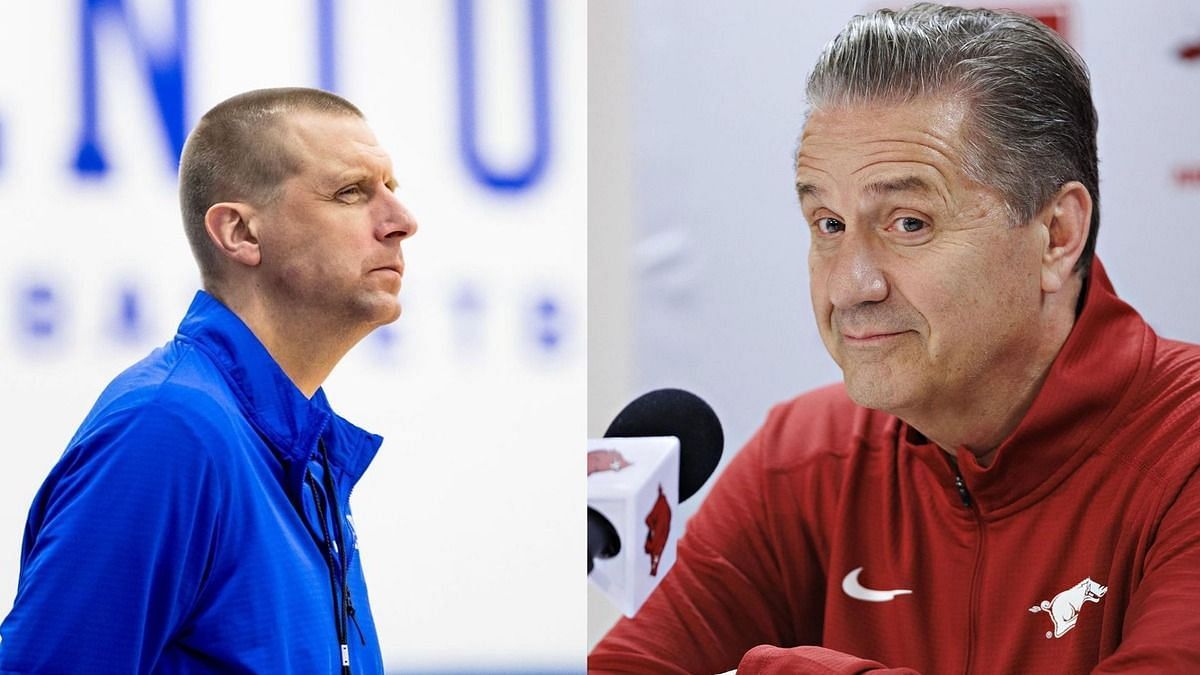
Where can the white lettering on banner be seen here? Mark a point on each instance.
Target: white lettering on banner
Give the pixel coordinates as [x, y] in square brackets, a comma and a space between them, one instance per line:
[45, 315]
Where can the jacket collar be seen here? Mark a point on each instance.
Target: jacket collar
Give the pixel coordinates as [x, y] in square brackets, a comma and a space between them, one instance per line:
[268, 398]
[1091, 384]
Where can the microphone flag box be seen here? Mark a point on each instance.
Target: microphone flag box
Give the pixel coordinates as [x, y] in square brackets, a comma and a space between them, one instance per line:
[634, 483]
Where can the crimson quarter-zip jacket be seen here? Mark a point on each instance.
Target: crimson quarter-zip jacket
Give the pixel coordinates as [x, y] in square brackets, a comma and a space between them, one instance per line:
[840, 540]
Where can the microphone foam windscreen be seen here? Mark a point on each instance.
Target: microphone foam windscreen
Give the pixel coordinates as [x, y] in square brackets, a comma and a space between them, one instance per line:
[675, 412]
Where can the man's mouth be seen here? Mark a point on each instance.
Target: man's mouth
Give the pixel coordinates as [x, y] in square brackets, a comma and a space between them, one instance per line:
[398, 269]
[870, 337]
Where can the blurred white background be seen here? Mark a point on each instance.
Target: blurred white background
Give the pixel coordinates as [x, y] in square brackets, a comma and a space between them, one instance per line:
[465, 520]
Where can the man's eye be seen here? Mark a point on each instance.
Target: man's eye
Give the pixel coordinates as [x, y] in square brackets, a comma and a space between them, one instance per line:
[909, 225]
[829, 225]
[349, 194]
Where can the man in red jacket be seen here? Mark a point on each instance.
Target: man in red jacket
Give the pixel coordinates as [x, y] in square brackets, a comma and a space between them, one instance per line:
[1007, 480]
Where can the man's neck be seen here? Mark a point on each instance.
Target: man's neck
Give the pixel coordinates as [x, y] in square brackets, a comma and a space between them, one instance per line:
[982, 423]
[304, 346]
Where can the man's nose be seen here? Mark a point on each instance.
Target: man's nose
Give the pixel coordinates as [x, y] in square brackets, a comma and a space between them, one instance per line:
[855, 276]
[395, 221]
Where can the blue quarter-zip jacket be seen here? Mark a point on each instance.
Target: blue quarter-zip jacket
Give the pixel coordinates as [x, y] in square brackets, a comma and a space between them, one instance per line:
[178, 532]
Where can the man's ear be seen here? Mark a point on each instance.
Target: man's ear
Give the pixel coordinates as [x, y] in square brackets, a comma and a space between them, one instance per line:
[231, 228]
[1067, 219]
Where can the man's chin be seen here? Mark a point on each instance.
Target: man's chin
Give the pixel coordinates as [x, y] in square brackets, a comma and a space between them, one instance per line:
[380, 310]
[390, 314]
[877, 393]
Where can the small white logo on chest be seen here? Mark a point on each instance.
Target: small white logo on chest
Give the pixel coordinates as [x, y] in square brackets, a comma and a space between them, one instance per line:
[852, 588]
[1064, 608]
[353, 534]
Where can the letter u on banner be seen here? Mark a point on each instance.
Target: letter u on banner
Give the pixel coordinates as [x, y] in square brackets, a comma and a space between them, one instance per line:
[525, 176]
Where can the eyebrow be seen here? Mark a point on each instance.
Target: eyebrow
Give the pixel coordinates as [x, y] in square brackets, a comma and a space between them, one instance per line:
[805, 189]
[901, 184]
[358, 175]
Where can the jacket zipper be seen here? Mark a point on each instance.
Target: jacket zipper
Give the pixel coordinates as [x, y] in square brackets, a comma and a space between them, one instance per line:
[350, 612]
[343, 606]
[349, 601]
[328, 551]
[973, 605]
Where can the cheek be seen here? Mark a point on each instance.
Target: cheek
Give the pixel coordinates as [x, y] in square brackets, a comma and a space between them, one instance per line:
[1016, 273]
[301, 267]
[300, 261]
[984, 297]
[817, 291]
[316, 247]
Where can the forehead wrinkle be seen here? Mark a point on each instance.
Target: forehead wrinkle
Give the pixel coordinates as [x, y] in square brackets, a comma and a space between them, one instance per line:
[940, 188]
[938, 146]
[329, 135]
[366, 162]
[853, 144]
[804, 162]
[941, 149]
[376, 158]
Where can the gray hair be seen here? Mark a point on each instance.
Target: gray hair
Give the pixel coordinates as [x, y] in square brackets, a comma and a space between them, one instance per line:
[238, 153]
[1031, 124]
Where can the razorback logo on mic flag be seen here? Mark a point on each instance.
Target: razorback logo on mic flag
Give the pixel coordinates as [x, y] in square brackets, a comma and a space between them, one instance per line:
[637, 501]
[605, 460]
[659, 524]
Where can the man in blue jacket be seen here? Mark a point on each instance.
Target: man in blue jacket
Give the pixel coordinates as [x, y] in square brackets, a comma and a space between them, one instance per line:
[199, 520]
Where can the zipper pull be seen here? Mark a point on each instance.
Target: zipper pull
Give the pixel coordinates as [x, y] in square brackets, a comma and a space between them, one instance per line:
[962, 490]
[350, 611]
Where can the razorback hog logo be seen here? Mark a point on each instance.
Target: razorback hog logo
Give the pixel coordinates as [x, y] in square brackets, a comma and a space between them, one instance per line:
[1064, 608]
[659, 522]
[606, 460]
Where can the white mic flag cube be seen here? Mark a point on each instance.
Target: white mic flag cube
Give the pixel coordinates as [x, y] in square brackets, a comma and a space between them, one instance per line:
[634, 483]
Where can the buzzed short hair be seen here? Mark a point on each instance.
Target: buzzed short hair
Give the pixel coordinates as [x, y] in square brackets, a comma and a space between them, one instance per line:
[237, 153]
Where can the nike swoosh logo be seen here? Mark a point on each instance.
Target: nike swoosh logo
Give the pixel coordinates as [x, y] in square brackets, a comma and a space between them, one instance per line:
[856, 590]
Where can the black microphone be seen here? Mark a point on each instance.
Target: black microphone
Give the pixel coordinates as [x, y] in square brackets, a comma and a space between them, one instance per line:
[669, 435]
[684, 415]
[603, 540]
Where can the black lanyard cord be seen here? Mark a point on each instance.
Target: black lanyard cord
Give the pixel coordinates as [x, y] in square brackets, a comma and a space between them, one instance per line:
[342, 551]
[342, 609]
